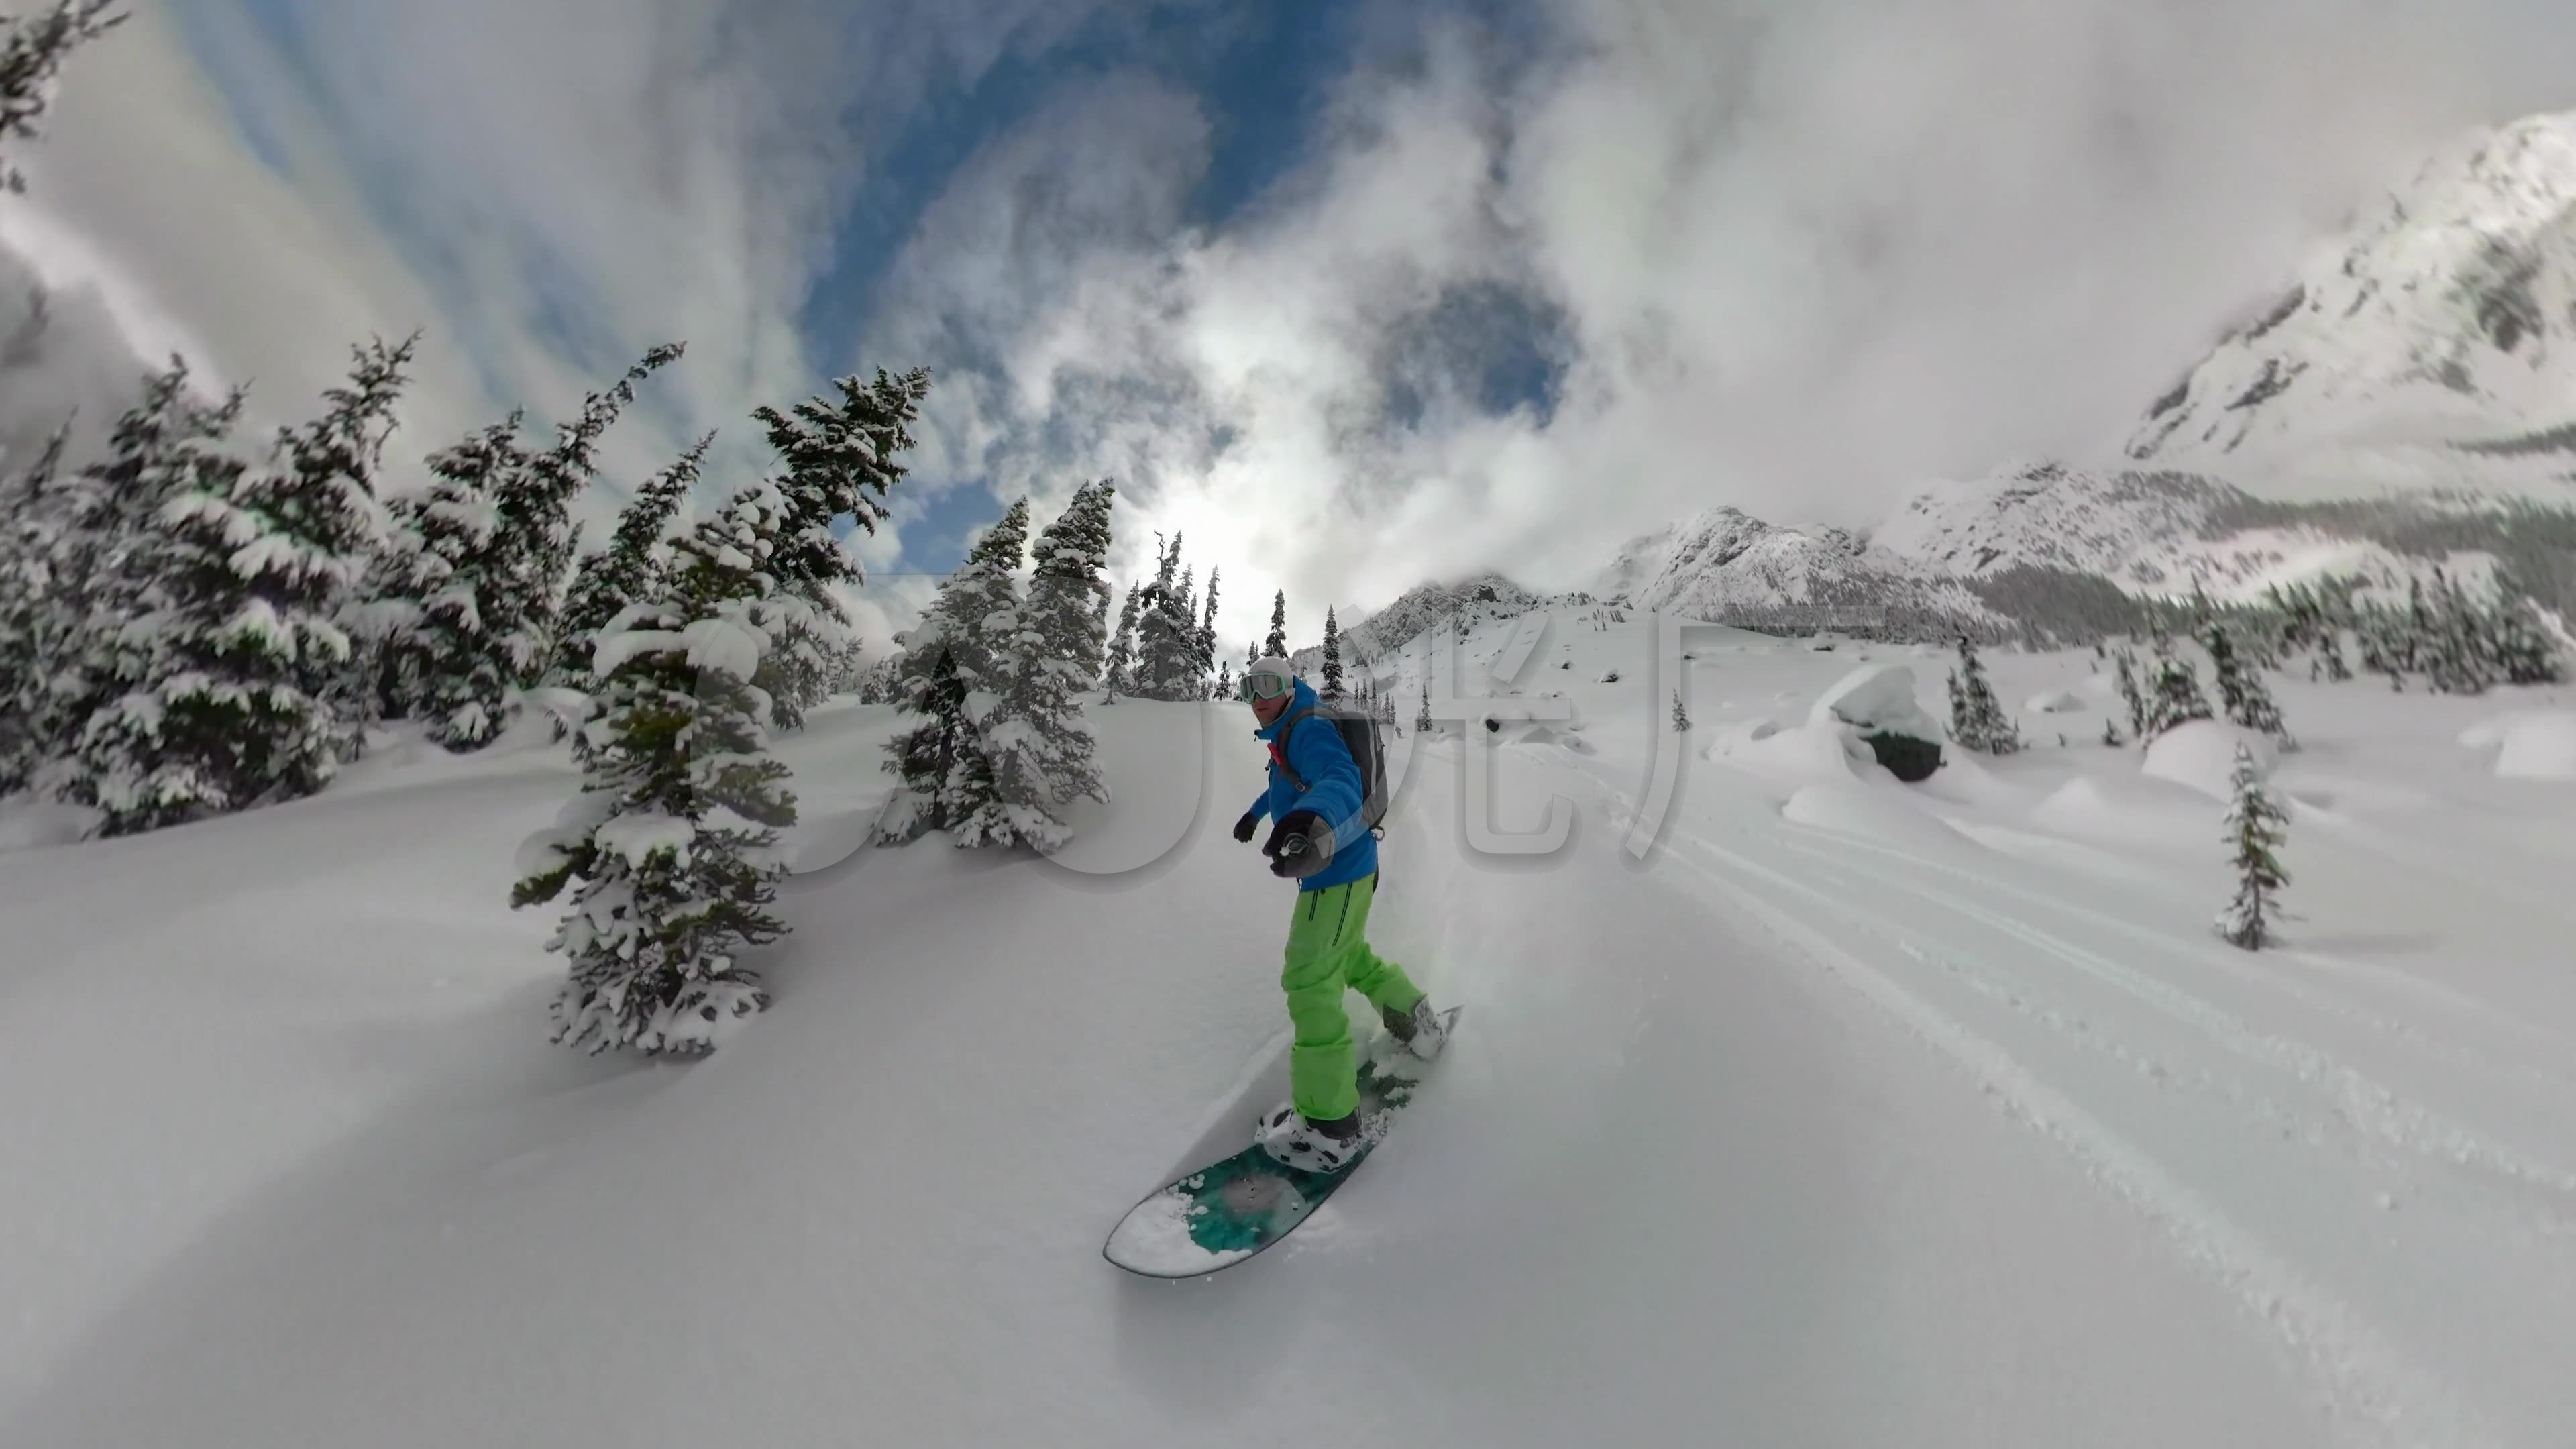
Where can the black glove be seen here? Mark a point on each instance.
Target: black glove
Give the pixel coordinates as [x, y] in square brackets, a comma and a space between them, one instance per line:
[1299, 846]
[1250, 822]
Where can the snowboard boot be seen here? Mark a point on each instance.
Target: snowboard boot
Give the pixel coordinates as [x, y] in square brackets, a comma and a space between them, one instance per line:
[1420, 1032]
[1312, 1146]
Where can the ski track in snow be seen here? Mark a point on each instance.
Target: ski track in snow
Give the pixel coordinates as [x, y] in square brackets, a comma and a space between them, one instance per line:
[2374, 1395]
[2266, 975]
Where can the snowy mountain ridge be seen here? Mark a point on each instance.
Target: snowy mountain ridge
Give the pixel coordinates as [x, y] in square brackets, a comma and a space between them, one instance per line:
[1465, 604]
[2434, 344]
[2409, 404]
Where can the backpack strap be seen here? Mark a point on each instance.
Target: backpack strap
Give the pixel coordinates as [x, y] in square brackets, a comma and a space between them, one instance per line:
[1279, 750]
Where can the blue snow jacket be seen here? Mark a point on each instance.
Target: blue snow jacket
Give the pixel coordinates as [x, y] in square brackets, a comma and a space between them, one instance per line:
[1317, 754]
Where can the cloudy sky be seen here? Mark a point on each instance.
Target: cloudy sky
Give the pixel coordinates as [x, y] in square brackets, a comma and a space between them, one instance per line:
[1353, 294]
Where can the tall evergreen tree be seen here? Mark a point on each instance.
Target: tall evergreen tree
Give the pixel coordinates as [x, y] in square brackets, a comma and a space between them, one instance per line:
[93, 640]
[32, 51]
[841, 460]
[436, 592]
[469, 605]
[1977, 719]
[2256, 827]
[1422, 722]
[2241, 691]
[1331, 693]
[2176, 697]
[1167, 634]
[2127, 676]
[535, 504]
[238, 645]
[30, 537]
[629, 570]
[1207, 635]
[947, 772]
[1119, 663]
[1276, 646]
[674, 834]
[1069, 588]
[1033, 733]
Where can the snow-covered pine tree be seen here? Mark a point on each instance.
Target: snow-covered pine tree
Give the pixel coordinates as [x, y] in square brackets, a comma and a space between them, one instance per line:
[468, 605]
[1069, 589]
[239, 645]
[674, 834]
[93, 639]
[1681, 716]
[882, 682]
[1224, 681]
[1033, 733]
[1167, 634]
[2176, 697]
[29, 537]
[32, 50]
[535, 504]
[434, 592]
[1188, 680]
[629, 570]
[1118, 663]
[2125, 665]
[841, 460]
[1422, 722]
[1977, 719]
[955, 680]
[2241, 691]
[1331, 693]
[1276, 646]
[2111, 734]
[2256, 827]
[2329, 663]
[1207, 636]
[2523, 650]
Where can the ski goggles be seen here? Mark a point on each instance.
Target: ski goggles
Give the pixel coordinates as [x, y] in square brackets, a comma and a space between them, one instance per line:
[1266, 686]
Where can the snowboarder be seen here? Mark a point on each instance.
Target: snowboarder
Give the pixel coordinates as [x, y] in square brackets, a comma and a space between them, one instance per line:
[1318, 839]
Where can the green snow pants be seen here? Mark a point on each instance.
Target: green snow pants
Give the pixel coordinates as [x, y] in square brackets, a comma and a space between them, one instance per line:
[1328, 951]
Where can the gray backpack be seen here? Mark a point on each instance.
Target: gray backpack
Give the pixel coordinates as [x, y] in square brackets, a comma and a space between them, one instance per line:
[1368, 751]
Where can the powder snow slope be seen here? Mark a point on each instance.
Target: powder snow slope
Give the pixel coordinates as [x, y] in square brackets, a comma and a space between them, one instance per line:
[1853, 1113]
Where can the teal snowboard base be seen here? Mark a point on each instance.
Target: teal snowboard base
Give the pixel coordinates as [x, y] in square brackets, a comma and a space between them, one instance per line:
[1231, 1209]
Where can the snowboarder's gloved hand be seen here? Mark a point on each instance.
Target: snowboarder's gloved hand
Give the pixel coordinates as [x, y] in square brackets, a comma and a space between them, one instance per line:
[1250, 822]
[1300, 845]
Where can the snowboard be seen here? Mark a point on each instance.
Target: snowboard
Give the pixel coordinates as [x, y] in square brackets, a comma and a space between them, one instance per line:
[1235, 1207]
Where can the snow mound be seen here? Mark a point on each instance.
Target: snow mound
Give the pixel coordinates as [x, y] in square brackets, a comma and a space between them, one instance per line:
[2126, 814]
[2202, 755]
[2529, 744]
[1876, 697]
[2055, 701]
[1875, 812]
[27, 823]
[1804, 754]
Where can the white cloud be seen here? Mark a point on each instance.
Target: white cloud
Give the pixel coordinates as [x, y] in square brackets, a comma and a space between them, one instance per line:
[1805, 257]
[1794, 257]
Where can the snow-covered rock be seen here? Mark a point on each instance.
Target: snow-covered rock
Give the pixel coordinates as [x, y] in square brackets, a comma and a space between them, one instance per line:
[2054, 701]
[2201, 754]
[1877, 697]
[2528, 744]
